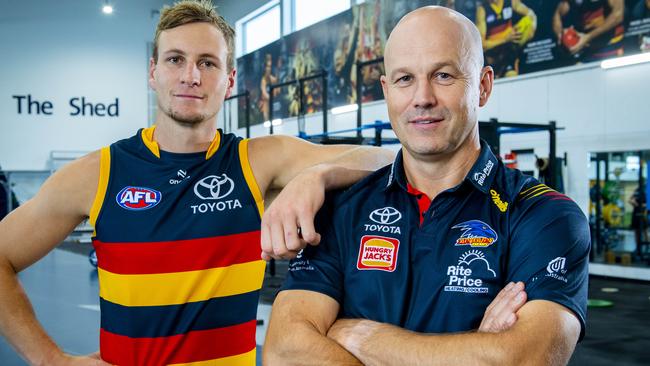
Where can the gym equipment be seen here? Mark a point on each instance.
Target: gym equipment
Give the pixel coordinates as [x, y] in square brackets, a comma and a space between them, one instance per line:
[492, 130]
[300, 84]
[359, 70]
[227, 116]
[92, 258]
[597, 303]
[331, 138]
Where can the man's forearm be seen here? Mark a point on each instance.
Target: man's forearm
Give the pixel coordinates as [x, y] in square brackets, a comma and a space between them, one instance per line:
[353, 165]
[390, 345]
[304, 345]
[18, 322]
[612, 20]
[545, 334]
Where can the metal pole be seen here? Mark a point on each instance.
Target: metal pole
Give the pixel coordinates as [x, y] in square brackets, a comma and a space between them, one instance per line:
[599, 208]
[247, 100]
[8, 194]
[359, 104]
[552, 156]
[324, 96]
[378, 130]
[494, 126]
[301, 104]
[270, 89]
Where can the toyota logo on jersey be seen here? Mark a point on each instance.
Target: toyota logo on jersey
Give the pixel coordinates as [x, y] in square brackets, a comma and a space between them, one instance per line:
[214, 187]
[138, 198]
[385, 216]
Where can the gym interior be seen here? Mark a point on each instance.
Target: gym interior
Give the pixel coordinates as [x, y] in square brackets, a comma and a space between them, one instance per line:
[76, 80]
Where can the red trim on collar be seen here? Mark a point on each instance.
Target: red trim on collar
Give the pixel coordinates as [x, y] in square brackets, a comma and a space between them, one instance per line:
[423, 200]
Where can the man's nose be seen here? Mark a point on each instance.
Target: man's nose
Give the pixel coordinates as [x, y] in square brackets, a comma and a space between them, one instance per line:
[191, 75]
[424, 95]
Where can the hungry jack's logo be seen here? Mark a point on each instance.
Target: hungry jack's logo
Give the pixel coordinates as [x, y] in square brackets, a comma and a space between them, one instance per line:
[378, 253]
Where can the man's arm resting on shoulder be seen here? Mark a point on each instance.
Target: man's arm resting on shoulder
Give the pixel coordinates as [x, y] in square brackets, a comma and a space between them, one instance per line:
[277, 159]
[305, 171]
[544, 334]
[28, 234]
[297, 333]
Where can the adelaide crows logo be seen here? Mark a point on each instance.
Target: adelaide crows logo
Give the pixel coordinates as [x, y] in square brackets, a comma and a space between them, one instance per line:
[476, 233]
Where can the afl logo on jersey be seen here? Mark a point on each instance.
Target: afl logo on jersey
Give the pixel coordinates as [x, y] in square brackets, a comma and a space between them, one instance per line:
[138, 198]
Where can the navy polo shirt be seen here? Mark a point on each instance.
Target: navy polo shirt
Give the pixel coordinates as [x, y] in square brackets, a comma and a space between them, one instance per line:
[379, 262]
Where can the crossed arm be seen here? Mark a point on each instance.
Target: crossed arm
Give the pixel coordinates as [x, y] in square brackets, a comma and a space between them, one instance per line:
[304, 331]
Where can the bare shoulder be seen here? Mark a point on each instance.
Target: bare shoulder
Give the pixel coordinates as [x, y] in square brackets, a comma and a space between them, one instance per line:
[263, 144]
[73, 186]
[38, 225]
[268, 155]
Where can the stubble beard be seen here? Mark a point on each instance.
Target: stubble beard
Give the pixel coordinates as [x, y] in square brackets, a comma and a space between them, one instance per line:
[186, 120]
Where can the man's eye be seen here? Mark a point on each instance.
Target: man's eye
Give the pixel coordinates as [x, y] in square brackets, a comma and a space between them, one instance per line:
[208, 64]
[405, 79]
[443, 76]
[173, 59]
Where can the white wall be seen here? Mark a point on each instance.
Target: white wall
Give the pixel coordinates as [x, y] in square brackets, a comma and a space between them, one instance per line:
[64, 49]
[57, 50]
[600, 110]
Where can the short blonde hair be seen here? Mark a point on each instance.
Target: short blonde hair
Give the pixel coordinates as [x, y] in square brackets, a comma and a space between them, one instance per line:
[195, 11]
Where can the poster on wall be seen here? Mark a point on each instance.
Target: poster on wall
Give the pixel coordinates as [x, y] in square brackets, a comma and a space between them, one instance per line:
[518, 37]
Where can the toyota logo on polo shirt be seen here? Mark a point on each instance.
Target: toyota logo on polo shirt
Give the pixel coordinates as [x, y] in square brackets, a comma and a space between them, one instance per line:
[214, 187]
[385, 216]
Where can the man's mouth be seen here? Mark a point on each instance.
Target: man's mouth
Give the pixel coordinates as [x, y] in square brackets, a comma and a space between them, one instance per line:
[425, 120]
[189, 96]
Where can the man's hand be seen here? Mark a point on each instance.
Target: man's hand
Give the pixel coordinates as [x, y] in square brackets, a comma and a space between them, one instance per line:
[88, 360]
[514, 36]
[351, 333]
[583, 41]
[501, 314]
[288, 223]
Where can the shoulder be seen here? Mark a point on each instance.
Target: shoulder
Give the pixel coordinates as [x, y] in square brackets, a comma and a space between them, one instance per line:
[264, 143]
[536, 203]
[74, 185]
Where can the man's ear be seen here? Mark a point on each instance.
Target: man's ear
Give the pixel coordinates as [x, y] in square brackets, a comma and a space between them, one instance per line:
[231, 83]
[152, 69]
[485, 85]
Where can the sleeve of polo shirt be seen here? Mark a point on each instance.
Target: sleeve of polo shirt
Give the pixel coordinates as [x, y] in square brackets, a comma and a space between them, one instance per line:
[549, 249]
[318, 268]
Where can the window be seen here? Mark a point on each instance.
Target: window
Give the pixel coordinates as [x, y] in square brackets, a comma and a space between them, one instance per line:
[281, 17]
[308, 12]
[261, 28]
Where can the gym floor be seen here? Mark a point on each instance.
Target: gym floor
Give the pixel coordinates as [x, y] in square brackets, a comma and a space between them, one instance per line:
[64, 291]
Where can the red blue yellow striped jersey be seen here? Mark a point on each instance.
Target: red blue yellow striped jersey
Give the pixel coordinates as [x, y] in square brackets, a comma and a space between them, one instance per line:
[498, 19]
[177, 241]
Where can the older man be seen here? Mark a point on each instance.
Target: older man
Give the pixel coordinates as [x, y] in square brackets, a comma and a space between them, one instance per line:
[424, 246]
[176, 210]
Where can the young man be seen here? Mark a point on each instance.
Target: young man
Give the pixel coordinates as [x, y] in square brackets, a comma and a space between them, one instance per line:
[598, 25]
[176, 211]
[422, 247]
[500, 35]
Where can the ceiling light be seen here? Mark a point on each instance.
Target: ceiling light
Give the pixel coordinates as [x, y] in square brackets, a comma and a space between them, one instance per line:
[107, 9]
